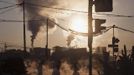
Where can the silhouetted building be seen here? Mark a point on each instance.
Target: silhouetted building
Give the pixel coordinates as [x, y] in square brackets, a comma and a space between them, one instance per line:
[40, 53]
[73, 54]
[100, 50]
[12, 62]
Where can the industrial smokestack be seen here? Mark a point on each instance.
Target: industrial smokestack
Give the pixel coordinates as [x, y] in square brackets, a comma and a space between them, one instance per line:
[32, 42]
[70, 38]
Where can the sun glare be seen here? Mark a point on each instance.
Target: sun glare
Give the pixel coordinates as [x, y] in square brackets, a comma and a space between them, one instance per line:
[79, 24]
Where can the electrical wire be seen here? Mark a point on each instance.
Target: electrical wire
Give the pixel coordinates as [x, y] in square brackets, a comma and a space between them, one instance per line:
[115, 15]
[3, 20]
[10, 20]
[124, 29]
[5, 11]
[10, 6]
[67, 30]
[131, 25]
[11, 45]
[59, 25]
[63, 9]
[6, 2]
[78, 11]
[79, 33]
[72, 31]
[7, 7]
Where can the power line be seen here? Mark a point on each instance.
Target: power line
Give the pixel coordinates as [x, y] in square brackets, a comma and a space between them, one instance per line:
[124, 29]
[6, 2]
[115, 15]
[5, 11]
[11, 44]
[3, 20]
[7, 7]
[131, 25]
[59, 25]
[78, 11]
[70, 30]
[79, 33]
[63, 9]
[11, 7]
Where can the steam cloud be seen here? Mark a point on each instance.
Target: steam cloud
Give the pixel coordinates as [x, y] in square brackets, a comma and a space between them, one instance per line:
[35, 19]
[35, 12]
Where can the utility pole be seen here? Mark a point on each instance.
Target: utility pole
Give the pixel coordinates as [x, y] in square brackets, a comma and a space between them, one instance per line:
[47, 34]
[47, 39]
[90, 34]
[24, 27]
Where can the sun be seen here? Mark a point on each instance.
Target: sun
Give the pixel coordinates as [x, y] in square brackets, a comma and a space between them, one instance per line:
[79, 24]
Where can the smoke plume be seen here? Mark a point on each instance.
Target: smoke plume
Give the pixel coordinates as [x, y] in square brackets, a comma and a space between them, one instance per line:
[70, 38]
[35, 10]
[35, 19]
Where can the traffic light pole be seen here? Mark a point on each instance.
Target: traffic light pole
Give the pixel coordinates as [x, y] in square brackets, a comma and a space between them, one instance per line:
[113, 40]
[90, 34]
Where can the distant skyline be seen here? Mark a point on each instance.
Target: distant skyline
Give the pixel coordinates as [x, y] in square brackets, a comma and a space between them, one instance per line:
[12, 32]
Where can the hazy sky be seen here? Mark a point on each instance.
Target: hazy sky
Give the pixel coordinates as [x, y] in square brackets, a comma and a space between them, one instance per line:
[12, 32]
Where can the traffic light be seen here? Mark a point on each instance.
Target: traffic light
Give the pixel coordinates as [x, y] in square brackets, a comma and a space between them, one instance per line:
[98, 26]
[115, 40]
[103, 5]
[114, 43]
